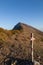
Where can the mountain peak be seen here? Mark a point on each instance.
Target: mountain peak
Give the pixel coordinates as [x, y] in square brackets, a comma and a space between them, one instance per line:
[28, 28]
[19, 26]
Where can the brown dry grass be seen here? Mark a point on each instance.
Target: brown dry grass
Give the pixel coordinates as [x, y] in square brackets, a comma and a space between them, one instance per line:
[18, 43]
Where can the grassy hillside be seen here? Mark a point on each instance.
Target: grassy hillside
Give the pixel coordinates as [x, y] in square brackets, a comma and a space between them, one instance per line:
[16, 43]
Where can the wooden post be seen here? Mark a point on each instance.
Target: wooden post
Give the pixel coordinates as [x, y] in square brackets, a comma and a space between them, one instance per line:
[32, 42]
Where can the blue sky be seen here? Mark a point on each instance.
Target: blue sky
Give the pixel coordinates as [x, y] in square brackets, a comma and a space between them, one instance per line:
[25, 11]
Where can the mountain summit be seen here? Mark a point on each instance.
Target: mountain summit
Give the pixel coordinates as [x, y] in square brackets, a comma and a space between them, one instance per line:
[25, 27]
[18, 26]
